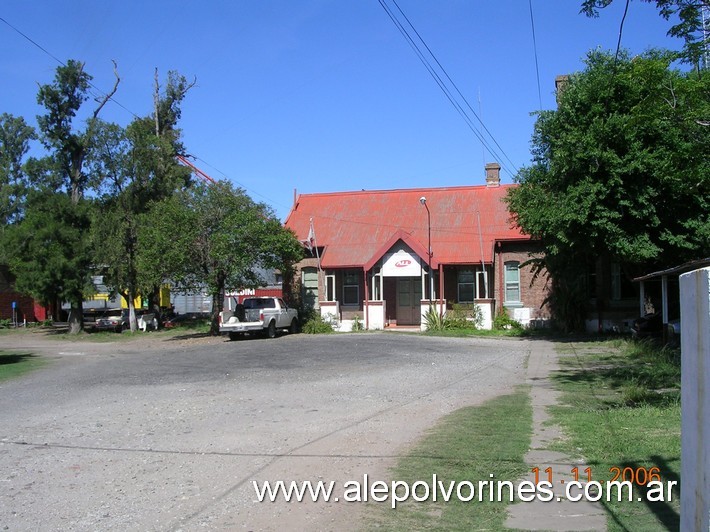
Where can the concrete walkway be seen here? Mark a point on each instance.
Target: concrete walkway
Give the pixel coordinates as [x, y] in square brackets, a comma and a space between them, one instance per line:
[559, 513]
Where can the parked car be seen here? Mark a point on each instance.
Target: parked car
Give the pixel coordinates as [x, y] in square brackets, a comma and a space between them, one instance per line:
[258, 315]
[112, 320]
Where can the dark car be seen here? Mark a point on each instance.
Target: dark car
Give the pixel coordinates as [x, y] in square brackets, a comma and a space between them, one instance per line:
[651, 326]
[648, 326]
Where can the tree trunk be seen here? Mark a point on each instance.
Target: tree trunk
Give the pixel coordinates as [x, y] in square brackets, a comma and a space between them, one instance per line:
[217, 306]
[76, 318]
[129, 298]
[154, 306]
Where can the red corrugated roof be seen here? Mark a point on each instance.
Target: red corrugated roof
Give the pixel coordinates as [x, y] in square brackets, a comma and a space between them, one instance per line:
[353, 226]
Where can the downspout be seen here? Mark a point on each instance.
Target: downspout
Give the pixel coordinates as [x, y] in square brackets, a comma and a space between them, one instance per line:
[501, 280]
[367, 297]
[441, 290]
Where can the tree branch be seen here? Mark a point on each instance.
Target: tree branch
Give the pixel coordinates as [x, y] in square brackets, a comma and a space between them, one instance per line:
[110, 94]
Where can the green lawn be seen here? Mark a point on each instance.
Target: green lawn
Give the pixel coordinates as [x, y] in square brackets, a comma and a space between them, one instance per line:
[467, 445]
[15, 364]
[621, 409]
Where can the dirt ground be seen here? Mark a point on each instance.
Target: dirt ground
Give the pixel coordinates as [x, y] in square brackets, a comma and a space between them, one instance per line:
[170, 434]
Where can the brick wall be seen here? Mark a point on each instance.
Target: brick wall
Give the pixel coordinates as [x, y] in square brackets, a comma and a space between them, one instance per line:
[25, 307]
[533, 290]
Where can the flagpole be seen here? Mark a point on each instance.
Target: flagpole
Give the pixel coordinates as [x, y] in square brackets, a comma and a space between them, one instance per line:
[312, 237]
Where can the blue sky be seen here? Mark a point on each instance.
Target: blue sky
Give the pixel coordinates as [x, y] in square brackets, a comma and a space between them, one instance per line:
[322, 95]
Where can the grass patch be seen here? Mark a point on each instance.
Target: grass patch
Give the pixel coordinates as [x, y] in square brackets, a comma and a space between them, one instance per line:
[620, 408]
[491, 333]
[467, 445]
[16, 364]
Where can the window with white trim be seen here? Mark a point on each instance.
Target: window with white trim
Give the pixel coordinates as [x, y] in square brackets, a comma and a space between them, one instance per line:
[330, 287]
[377, 287]
[466, 286]
[351, 288]
[309, 284]
[512, 282]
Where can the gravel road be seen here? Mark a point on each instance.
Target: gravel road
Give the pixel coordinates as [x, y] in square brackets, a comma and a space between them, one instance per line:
[169, 434]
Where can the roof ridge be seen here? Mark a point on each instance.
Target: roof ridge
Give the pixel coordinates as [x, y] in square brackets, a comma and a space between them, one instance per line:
[420, 189]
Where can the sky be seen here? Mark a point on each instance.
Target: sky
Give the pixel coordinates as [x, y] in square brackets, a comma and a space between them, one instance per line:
[310, 96]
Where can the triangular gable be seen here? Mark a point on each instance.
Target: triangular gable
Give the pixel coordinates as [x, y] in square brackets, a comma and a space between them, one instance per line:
[405, 237]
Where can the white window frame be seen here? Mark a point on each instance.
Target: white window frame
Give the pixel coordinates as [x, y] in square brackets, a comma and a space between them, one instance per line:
[512, 285]
[376, 287]
[350, 285]
[306, 290]
[330, 287]
[471, 283]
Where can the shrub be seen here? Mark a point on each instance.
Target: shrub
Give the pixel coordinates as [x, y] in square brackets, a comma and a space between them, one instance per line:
[357, 324]
[315, 324]
[502, 321]
[465, 316]
[435, 322]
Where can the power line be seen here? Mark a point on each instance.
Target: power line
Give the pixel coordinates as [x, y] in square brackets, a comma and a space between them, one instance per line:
[100, 91]
[537, 67]
[499, 153]
[480, 120]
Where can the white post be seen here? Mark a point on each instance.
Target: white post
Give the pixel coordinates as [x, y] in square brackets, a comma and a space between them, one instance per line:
[695, 400]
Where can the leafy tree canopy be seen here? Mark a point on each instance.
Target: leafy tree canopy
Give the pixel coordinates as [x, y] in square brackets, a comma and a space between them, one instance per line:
[689, 26]
[620, 169]
[52, 225]
[15, 136]
[216, 236]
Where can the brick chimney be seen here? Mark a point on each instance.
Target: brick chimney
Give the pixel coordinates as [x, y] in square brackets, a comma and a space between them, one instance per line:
[492, 175]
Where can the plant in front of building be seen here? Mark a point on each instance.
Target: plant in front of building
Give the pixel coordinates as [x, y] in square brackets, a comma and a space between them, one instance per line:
[357, 324]
[434, 321]
[504, 322]
[315, 324]
[464, 316]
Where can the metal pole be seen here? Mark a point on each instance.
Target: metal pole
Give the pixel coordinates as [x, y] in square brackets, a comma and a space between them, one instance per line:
[431, 273]
[422, 200]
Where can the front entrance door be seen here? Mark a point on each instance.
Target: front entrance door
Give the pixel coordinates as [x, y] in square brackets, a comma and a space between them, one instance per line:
[409, 296]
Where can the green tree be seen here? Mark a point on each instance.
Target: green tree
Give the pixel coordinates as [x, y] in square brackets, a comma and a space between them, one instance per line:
[69, 149]
[44, 269]
[619, 171]
[222, 240]
[15, 137]
[138, 170]
[690, 26]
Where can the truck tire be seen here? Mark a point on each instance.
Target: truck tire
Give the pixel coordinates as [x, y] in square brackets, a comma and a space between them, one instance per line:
[293, 328]
[271, 330]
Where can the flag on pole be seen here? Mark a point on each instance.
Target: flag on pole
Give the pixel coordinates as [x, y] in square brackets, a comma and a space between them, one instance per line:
[311, 242]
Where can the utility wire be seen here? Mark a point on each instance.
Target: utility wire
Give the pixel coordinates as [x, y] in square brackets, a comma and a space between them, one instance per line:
[537, 67]
[499, 153]
[43, 49]
[480, 120]
[431, 71]
[101, 92]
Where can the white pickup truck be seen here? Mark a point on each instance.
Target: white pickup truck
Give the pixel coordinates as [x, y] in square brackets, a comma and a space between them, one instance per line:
[258, 314]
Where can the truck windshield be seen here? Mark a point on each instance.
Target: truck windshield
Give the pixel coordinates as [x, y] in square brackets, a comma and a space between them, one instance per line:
[259, 303]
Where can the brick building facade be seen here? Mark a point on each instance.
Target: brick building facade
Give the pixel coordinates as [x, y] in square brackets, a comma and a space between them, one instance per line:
[385, 257]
